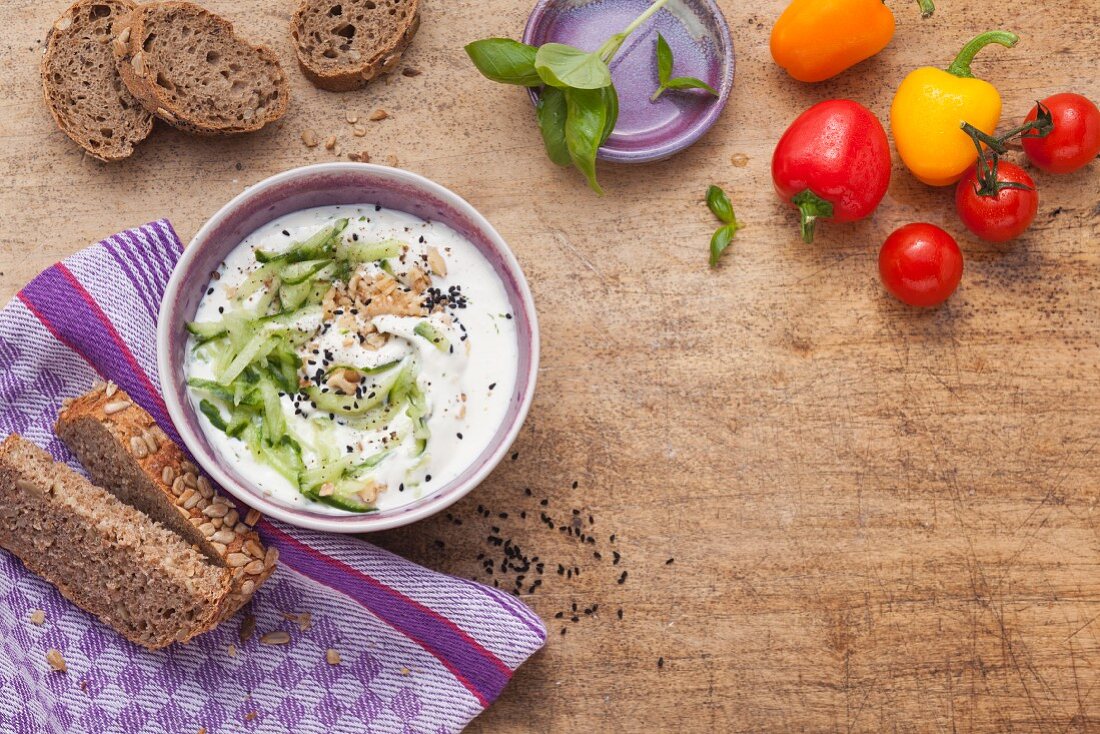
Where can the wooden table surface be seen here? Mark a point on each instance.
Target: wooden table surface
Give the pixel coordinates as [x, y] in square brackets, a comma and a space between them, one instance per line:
[881, 519]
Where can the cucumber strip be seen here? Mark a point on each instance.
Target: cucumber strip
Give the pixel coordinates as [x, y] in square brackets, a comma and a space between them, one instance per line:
[301, 272]
[209, 386]
[426, 330]
[364, 370]
[373, 394]
[274, 419]
[255, 280]
[258, 348]
[291, 297]
[213, 415]
[342, 500]
[318, 245]
[204, 331]
[365, 252]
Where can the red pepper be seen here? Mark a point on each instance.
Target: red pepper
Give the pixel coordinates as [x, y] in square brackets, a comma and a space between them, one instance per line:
[833, 163]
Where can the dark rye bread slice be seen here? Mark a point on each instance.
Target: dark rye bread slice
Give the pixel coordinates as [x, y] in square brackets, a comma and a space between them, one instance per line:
[343, 44]
[189, 67]
[83, 89]
[102, 555]
[123, 450]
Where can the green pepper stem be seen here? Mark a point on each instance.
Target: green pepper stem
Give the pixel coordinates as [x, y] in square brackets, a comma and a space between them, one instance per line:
[926, 8]
[961, 65]
[810, 207]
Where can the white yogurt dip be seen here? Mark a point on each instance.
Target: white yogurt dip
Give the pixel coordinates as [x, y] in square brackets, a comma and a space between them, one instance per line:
[454, 337]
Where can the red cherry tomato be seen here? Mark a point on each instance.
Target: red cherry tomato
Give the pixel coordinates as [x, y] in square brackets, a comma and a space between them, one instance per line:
[833, 163]
[1001, 217]
[1075, 139]
[920, 264]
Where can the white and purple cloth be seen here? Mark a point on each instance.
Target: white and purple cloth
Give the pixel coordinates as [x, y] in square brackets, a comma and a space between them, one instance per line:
[421, 651]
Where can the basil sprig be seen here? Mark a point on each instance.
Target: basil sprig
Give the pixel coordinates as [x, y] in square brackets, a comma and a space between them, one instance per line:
[719, 205]
[664, 73]
[578, 104]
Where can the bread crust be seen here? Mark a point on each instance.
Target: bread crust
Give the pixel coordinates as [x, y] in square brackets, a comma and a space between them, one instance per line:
[141, 79]
[58, 34]
[350, 78]
[180, 482]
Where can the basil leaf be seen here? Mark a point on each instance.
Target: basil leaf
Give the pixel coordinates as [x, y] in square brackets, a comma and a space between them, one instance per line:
[586, 120]
[506, 61]
[564, 66]
[551, 114]
[687, 82]
[611, 99]
[719, 204]
[664, 60]
[720, 241]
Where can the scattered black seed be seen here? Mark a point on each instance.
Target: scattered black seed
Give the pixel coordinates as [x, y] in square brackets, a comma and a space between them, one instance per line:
[285, 233]
[439, 544]
[574, 618]
[523, 514]
[660, 662]
[544, 503]
[515, 456]
[459, 436]
[563, 631]
[597, 556]
[503, 516]
[670, 561]
[575, 484]
[612, 538]
[619, 613]
[622, 579]
[559, 615]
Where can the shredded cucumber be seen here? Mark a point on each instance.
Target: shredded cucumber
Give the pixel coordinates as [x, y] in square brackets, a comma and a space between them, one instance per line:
[426, 330]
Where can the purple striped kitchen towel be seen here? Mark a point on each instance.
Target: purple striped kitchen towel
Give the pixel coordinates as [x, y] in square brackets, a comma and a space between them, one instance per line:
[421, 652]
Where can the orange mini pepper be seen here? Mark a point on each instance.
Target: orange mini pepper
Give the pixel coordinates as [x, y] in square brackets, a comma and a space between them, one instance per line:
[815, 40]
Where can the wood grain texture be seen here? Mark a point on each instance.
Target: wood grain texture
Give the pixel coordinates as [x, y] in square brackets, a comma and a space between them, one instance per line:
[882, 520]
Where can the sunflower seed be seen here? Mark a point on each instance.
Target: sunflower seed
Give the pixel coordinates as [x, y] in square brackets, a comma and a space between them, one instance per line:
[110, 390]
[205, 489]
[38, 616]
[271, 557]
[252, 517]
[63, 23]
[255, 568]
[207, 529]
[150, 442]
[278, 637]
[168, 475]
[138, 62]
[231, 518]
[223, 536]
[219, 548]
[236, 560]
[191, 480]
[216, 510]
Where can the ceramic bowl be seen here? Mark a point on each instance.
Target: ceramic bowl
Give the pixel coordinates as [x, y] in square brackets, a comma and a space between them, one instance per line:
[324, 185]
[701, 47]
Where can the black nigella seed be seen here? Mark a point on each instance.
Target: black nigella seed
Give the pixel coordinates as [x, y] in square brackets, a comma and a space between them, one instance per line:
[559, 615]
[492, 385]
[401, 487]
[619, 613]
[563, 631]
[209, 291]
[660, 662]
[428, 478]
[670, 561]
[617, 558]
[574, 619]
[503, 516]
[622, 579]
[285, 233]
[597, 556]
[221, 309]
[574, 606]
[544, 503]
[459, 436]
[523, 514]
[575, 484]
[527, 491]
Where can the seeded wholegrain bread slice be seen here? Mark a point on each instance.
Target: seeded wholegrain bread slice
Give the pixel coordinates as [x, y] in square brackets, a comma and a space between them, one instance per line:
[190, 68]
[343, 44]
[104, 556]
[123, 450]
[83, 89]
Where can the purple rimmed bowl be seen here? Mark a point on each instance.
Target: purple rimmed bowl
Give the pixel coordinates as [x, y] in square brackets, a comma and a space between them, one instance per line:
[699, 37]
[329, 184]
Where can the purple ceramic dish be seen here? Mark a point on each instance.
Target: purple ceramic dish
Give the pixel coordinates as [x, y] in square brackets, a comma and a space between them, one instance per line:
[324, 185]
[701, 47]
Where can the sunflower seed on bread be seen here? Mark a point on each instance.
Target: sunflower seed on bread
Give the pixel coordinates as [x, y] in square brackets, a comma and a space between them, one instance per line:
[343, 44]
[129, 455]
[189, 67]
[82, 87]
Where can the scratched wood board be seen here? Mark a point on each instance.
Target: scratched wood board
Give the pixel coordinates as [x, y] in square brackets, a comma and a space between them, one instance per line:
[882, 519]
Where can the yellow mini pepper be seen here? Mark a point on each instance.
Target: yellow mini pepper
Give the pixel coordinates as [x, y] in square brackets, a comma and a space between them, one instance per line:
[817, 39]
[930, 107]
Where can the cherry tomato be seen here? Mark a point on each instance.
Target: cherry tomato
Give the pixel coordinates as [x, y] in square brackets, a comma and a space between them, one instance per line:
[1075, 139]
[1004, 216]
[920, 264]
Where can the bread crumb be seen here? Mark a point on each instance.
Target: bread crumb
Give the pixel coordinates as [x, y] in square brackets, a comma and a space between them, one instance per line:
[378, 115]
[405, 671]
[38, 616]
[305, 621]
[391, 160]
[360, 157]
[740, 160]
[332, 657]
[250, 716]
[53, 657]
[309, 138]
[232, 650]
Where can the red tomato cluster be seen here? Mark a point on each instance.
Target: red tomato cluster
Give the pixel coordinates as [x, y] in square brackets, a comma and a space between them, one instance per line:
[833, 164]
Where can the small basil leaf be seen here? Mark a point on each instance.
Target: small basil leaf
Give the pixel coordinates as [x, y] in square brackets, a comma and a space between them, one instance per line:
[551, 111]
[720, 241]
[506, 61]
[664, 60]
[564, 66]
[611, 100]
[687, 82]
[719, 204]
[586, 120]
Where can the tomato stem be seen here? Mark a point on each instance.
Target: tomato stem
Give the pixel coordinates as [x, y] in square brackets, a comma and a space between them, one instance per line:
[961, 65]
[926, 8]
[810, 207]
